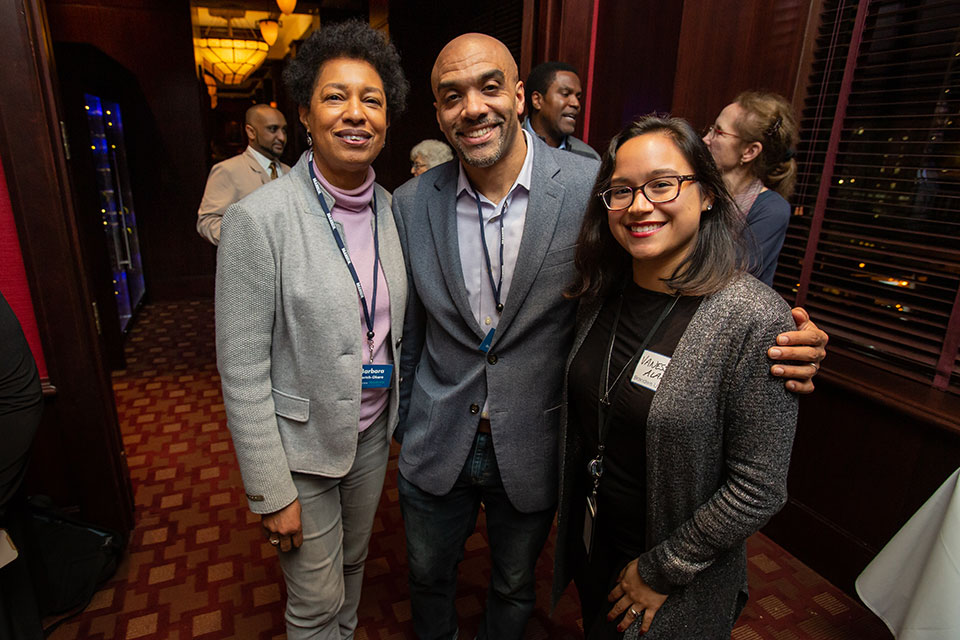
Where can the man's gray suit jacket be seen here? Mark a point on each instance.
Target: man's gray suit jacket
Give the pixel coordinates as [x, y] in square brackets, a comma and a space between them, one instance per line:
[581, 148]
[445, 378]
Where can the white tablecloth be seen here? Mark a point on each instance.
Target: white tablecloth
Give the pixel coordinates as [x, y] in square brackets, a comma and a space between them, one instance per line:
[913, 584]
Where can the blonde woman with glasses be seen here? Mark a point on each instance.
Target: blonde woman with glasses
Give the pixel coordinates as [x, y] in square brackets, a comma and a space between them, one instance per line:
[753, 141]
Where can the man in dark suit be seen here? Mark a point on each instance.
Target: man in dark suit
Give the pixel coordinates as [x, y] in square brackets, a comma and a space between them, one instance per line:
[553, 104]
[489, 244]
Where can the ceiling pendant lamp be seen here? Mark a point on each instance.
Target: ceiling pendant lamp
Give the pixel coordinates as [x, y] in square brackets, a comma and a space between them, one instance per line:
[230, 61]
[287, 6]
[269, 29]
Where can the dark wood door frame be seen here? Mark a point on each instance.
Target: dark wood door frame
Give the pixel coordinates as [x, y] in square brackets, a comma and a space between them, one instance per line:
[78, 457]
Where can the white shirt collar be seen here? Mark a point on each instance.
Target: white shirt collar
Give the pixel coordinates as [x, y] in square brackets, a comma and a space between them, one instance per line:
[263, 160]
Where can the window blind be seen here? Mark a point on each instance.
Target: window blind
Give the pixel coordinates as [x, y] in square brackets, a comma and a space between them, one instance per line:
[873, 248]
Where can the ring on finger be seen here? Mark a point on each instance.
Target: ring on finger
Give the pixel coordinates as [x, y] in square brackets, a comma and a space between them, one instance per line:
[816, 366]
[634, 612]
[274, 540]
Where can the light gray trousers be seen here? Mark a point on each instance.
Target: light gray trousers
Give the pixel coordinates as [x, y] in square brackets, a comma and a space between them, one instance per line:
[325, 575]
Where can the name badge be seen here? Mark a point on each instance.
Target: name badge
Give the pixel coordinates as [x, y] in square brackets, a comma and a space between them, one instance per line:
[650, 370]
[376, 376]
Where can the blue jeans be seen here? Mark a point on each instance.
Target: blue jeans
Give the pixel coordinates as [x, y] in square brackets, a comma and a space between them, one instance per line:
[437, 528]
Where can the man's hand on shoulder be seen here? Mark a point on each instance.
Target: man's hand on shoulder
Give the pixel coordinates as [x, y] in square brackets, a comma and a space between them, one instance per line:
[806, 345]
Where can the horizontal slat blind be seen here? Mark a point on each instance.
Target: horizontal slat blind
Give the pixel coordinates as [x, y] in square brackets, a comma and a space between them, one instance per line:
[887, 257]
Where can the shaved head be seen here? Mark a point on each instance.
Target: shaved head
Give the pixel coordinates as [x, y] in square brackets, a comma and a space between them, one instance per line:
[479, 98]
[258, 113]
[471, 48]
[266, 130]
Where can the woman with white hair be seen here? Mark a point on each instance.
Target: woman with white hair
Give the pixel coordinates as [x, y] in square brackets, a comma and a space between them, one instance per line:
[427, 154]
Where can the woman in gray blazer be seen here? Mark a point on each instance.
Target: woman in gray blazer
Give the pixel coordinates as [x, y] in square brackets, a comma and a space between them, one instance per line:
[310, 299]
[676, 438]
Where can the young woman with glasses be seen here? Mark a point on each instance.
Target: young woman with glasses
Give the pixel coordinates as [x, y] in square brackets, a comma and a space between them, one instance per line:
[676, 438]
[753, 141]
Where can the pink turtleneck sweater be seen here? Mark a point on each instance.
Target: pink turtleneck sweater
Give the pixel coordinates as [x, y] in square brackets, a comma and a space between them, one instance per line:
[352, 210]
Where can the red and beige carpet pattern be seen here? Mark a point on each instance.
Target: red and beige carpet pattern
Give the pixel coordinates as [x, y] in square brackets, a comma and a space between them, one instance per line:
[197, 566]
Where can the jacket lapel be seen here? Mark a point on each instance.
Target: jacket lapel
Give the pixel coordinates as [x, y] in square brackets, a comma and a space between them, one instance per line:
[442, 216]
[391, 261]
[543, 211]
[255, 167]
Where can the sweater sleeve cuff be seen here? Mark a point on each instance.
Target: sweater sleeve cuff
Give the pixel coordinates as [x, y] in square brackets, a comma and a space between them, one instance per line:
[262, 504]
[649, 570]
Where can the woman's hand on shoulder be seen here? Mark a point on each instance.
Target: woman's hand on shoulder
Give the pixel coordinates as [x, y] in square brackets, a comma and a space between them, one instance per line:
[634, 598]
[808, 344]
[283, 528]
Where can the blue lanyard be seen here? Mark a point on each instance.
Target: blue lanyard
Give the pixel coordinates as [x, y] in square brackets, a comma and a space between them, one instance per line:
[496, 286]
[369, 315]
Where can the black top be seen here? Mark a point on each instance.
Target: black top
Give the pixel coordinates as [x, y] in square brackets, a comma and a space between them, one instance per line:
[767, 223]
[621, 497]
[19, 382]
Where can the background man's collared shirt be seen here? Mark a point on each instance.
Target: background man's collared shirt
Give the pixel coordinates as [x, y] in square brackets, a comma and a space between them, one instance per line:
[263, 160]
[529, 127]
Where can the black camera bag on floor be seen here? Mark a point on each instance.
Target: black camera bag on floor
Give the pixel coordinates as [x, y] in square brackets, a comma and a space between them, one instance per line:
[69, 560]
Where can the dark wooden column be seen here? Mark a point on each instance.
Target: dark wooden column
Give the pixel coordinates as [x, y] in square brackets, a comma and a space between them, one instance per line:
[78, 456]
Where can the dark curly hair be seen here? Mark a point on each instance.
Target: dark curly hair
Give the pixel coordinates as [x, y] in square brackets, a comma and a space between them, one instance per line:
[540, 79]
[354, 40]
[602, 263]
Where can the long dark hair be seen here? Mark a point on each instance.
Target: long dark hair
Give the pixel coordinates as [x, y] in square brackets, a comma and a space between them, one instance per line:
[603, 264]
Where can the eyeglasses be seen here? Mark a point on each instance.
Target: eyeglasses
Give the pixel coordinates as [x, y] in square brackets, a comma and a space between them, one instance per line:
[420, 165]
[713, 130]
[659, 190]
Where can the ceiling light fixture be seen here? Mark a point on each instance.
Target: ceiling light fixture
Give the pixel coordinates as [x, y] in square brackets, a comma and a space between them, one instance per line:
[230, 60]
[269, 29]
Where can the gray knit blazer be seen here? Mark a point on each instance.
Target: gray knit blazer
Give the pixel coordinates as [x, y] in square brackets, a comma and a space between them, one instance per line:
[289, 342]
[718, 442]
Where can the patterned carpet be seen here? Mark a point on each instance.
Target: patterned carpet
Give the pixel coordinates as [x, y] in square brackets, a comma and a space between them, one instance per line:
[198, 567]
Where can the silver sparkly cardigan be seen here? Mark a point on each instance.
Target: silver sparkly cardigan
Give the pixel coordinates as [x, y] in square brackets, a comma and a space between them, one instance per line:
[718, 442]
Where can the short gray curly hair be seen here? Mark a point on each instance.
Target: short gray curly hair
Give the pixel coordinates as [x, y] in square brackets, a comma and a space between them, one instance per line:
[433, 152]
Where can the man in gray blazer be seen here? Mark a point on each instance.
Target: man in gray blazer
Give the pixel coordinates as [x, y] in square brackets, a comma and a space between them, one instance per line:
[553, 104]
[480, 387]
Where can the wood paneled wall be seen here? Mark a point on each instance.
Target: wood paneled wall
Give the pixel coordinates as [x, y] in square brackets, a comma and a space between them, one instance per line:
[688, 58]
[729, 46]
[860, 469]
[635, 59]
[153, 40]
